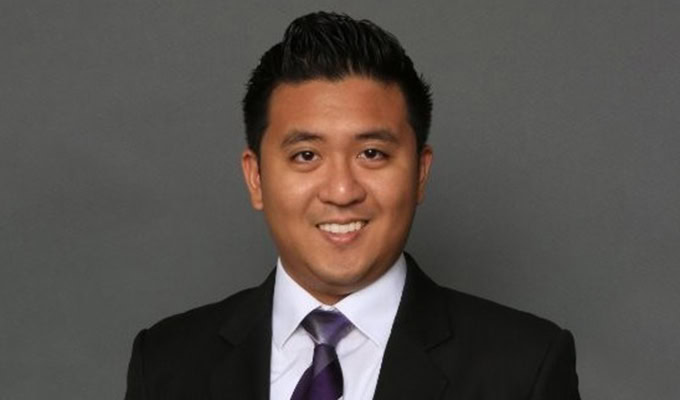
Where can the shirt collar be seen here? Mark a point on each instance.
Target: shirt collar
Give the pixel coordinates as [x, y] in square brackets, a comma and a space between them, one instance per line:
[371, 309]
[291, 305]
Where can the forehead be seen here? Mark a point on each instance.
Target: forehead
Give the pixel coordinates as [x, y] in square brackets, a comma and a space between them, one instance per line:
[351, 104]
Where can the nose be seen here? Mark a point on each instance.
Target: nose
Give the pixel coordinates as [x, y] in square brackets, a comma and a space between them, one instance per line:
[341, 186]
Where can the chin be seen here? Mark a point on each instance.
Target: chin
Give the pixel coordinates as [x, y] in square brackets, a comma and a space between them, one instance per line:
[347, 275]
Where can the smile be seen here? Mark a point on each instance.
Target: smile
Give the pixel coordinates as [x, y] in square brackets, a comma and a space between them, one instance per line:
[342, 228]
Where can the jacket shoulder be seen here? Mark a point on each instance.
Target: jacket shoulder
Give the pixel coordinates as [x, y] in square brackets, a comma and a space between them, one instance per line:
[179, 351]
[199, 321]
[487, 317]
[506, 349]
[496, 340]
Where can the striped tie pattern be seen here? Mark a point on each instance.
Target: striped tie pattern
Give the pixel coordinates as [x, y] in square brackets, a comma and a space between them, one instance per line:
[323, 379]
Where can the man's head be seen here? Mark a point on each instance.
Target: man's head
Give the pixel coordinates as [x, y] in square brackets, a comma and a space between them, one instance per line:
[335, 157]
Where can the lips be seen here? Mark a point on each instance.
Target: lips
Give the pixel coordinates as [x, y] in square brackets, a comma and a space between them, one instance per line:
[342, 233]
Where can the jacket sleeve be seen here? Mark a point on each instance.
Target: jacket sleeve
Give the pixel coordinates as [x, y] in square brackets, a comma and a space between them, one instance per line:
[557, 379]
[135, 377]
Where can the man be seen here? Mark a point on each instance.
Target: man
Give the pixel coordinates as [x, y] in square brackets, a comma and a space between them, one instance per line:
[337, 121]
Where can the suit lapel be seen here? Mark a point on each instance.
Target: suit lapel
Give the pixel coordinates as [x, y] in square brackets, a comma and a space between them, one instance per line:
[409, 370]
[244, 372]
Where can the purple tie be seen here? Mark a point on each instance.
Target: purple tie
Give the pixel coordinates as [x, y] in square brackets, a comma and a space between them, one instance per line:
[323, 379]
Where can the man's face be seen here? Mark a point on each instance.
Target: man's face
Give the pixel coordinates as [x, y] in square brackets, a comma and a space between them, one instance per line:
[338, 180]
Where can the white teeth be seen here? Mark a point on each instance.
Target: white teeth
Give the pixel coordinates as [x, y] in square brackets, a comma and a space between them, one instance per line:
[342, 228]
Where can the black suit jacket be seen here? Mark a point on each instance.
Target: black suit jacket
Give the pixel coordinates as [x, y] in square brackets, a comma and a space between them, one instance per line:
[444, 345]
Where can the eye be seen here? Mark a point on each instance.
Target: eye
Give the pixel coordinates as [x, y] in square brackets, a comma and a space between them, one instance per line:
[373, 154]
[304, 156]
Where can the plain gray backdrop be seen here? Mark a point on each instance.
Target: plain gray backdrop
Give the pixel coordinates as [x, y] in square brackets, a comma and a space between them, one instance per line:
[555, 186]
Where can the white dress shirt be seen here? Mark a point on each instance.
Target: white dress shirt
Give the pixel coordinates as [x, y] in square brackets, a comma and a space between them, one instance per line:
[371, 310]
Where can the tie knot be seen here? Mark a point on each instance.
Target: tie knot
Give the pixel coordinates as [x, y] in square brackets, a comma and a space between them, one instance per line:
[326, 327]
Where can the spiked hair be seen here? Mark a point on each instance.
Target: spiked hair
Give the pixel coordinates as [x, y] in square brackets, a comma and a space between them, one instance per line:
[333, 46]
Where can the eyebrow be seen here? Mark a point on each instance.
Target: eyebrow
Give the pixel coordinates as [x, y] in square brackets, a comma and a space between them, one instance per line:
[382, 135]
[296, 136]
[300, 136]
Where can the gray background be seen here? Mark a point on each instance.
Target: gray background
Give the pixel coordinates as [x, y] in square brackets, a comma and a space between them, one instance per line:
[555, 186]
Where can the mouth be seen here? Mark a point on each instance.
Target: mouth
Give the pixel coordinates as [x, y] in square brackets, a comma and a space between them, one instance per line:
[351, 226]
[342, 233]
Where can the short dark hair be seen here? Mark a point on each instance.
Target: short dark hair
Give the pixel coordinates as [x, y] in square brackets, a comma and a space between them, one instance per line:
[333, 46]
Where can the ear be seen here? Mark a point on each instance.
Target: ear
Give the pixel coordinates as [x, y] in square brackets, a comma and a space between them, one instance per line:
[251, 174]
[424, 163]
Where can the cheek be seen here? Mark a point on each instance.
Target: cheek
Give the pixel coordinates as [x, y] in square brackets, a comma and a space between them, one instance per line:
[395, 195]
[287, 194]
[396, 186]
